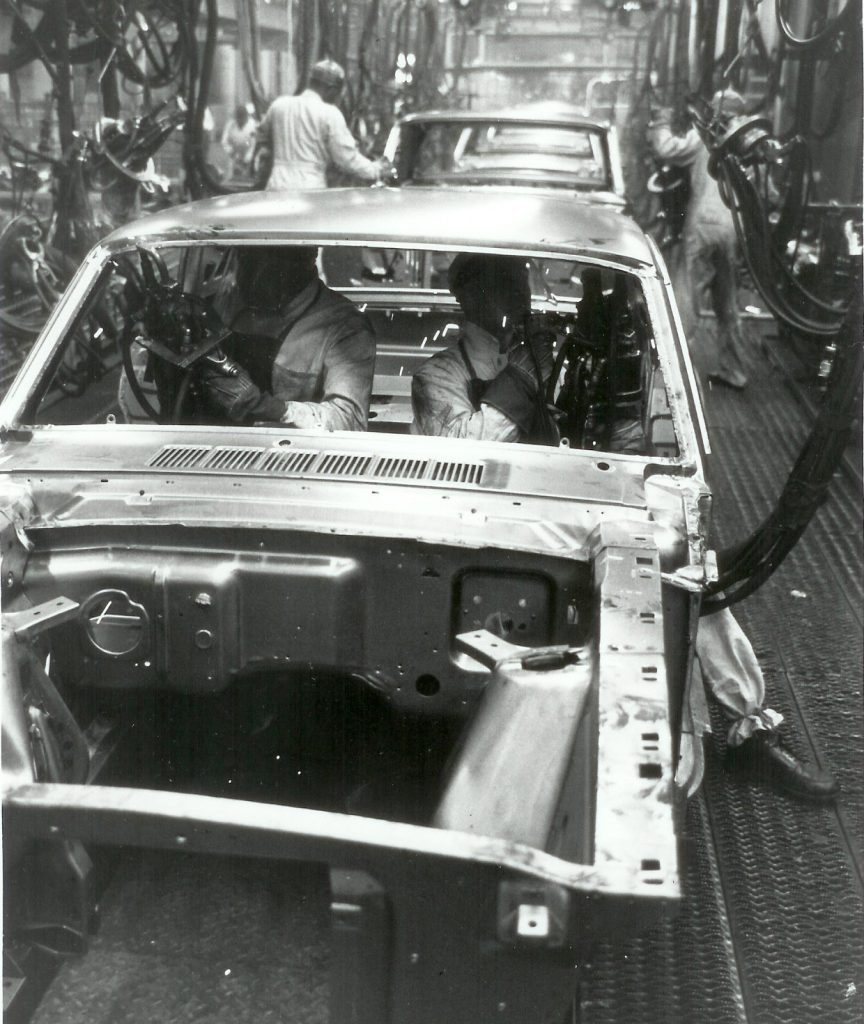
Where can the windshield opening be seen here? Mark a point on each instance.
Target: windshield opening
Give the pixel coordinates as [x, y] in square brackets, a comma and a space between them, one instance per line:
[482, 346]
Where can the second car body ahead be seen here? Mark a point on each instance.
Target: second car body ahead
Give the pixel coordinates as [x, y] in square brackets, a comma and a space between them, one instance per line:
[542, 145]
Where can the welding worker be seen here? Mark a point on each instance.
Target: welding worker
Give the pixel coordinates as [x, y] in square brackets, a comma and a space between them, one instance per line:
[307, 134]
[708, 237]
[485, 386]
[238, 141]
[299, 353]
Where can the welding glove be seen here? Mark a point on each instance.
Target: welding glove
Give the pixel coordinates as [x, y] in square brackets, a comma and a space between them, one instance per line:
[230, 390]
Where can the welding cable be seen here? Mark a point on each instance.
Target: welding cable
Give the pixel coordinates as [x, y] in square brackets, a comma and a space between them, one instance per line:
[167, 61]
[549, 430]
[745, 566]
[790, 222]
[167, 65]
[747, 195]
[366, 37]
[755, 236]
[796, 194]
[40, 42]
[836, 25]
[201, 180]
[753, 231]
[250, 53]
[829, 433]
[124, 343]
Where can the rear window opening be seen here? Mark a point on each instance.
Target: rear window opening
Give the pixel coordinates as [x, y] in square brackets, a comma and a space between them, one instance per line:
[455, 152]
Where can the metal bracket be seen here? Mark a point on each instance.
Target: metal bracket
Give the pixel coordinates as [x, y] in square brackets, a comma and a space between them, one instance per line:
[30, 622]
[490, 650]
[693, 578]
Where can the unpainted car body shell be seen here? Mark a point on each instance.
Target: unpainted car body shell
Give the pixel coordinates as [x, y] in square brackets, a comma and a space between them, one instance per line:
[264, 549]
[532, 116]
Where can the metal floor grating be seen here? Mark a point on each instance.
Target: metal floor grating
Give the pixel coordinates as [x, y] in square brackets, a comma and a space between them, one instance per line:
[643, 980]
[788, 888]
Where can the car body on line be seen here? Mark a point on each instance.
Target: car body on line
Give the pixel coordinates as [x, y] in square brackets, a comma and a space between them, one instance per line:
[521, 611]
[547, 145]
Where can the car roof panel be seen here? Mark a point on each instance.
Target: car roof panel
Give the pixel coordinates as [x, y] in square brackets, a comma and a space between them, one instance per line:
[452, 218]
[547, 112]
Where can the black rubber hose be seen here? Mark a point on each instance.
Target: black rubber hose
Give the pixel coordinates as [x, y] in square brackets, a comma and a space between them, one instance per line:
[836, 25]
[199, 176]
[125, 345]
[549, 430]
[754, 237]
[745, 566]
[182, 393]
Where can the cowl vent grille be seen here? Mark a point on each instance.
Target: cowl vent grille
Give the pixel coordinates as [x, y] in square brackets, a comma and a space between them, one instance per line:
[296, 462]
[457, 472]
[336, 464]
[280, 462]
[178, 456]
[233, 460]
[401, 469]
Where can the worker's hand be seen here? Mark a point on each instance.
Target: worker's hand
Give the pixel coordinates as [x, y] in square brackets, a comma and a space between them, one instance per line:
[262, 165]
[227, 387]
[386, 171]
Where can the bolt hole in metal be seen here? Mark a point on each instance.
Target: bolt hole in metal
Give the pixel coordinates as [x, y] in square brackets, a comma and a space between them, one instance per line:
[427, 685]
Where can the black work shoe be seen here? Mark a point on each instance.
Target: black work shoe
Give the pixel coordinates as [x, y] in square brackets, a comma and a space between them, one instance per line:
[767, 758]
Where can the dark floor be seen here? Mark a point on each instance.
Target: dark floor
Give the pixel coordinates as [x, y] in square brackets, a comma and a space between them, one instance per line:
[771, 925]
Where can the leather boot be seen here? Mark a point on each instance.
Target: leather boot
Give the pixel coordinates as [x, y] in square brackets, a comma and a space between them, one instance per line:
[765, 756]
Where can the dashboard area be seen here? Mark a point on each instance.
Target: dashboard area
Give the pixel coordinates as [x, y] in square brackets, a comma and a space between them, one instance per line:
[195, 619]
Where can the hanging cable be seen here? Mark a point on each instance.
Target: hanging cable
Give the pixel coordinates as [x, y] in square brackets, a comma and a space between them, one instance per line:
[846, 18]
[745, 160]
[250, 55]
[747, 565]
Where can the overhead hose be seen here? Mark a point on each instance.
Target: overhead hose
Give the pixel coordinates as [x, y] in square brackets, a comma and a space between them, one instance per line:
[201, 180]
[247, 25]
[766, 261]
[744, 567]
[836, 25]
